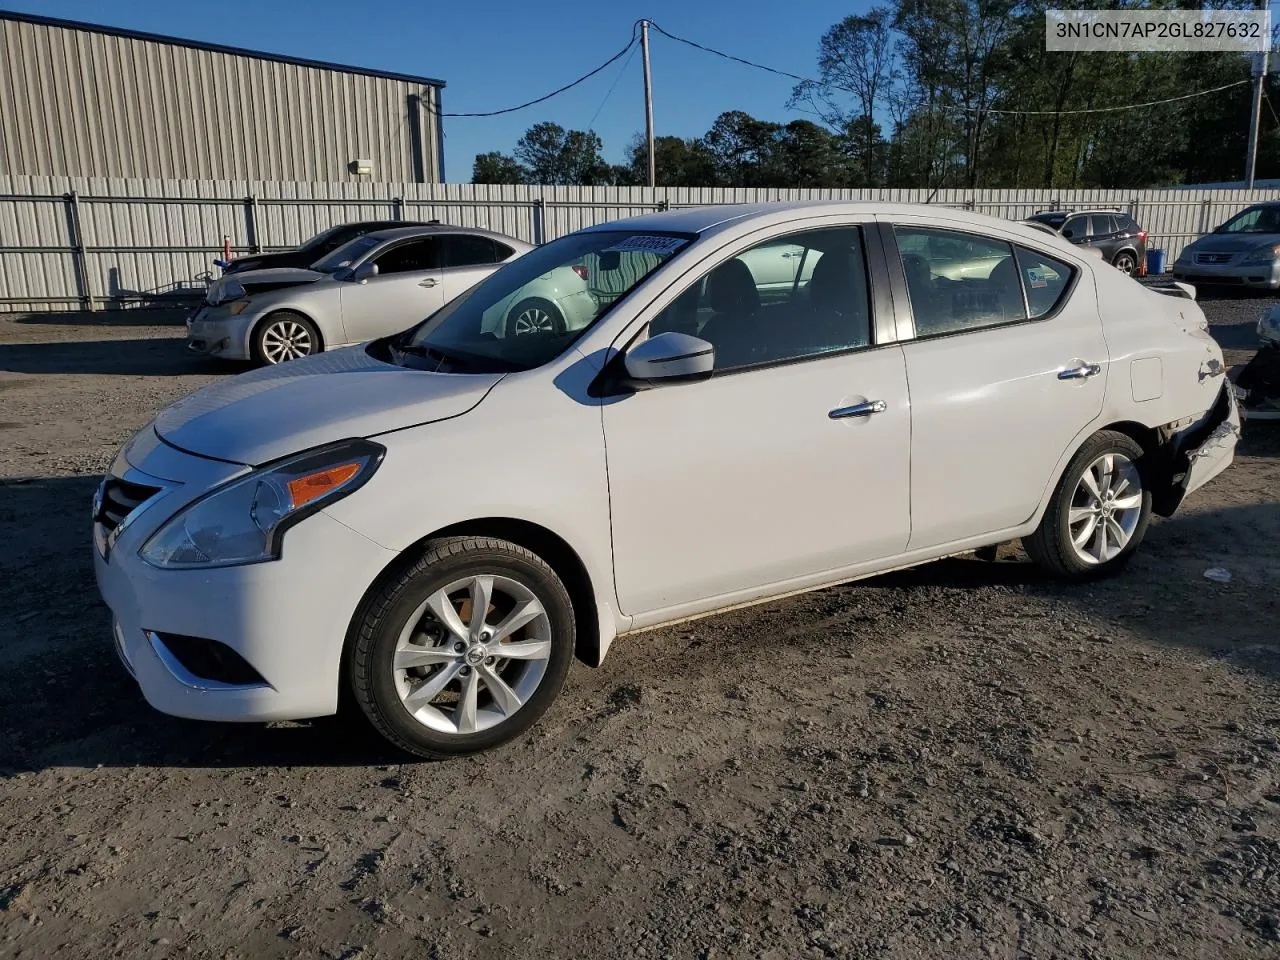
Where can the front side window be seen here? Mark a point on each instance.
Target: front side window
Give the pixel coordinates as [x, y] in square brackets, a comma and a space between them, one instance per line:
[411, 257]
[788, 298]
[529, 311]
[959, 281]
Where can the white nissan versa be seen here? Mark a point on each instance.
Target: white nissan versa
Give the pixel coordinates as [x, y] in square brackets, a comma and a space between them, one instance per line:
[441, 520]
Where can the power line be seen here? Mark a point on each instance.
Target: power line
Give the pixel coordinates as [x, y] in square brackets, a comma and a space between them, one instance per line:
[568, 86]
[621, 73]
[729, 56]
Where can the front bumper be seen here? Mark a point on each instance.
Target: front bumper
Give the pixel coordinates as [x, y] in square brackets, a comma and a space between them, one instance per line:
[287, 618]
[213, 332]
[1261, 276]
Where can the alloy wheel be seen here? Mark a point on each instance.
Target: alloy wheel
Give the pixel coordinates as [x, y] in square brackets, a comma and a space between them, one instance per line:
[1105, 508]
[285, 340]
[533, 320]
[472, 654]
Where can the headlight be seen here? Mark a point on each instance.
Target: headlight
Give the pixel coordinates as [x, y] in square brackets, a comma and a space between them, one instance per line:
[231, 289]
[1267, 254]
[244, 520]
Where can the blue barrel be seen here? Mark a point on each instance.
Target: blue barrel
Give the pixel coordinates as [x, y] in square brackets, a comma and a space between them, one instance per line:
[1155, 262]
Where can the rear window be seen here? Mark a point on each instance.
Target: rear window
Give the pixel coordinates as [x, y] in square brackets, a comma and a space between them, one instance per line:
[1054, 220]
[1045, 280]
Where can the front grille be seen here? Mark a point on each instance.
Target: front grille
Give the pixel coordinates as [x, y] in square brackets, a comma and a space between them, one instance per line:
[206, 659]
[119, 499]
[1213, 258]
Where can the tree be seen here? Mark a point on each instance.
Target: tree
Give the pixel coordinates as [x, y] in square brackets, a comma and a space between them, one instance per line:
[496, 167]
[855, 57]
[677, 162]
[552, 155]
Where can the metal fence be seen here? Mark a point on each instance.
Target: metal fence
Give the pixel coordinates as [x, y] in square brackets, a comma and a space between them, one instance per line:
[95, 242]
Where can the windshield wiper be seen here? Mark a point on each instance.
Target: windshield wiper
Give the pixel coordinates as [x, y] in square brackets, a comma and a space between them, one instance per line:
[429, 353]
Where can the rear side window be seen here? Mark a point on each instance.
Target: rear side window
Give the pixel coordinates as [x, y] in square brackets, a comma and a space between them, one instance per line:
[467, 250]
[501, 251]
[1045, 279]
[959, 281]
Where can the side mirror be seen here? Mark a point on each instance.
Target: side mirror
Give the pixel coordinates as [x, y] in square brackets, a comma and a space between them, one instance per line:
[363, 272]
[668, 358]
[1068, 234]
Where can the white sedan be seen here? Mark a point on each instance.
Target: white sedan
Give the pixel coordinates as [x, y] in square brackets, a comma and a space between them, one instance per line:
[446, 518]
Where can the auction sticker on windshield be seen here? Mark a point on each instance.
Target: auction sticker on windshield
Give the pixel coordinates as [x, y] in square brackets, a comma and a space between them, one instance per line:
[643, 244]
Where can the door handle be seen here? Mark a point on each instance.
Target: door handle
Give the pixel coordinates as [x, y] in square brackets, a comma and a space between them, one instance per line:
[1081, 372]
[429, 282]
[859, 410]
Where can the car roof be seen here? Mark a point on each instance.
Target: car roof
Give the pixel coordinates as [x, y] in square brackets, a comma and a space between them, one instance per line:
[714, 218]
[427, 229]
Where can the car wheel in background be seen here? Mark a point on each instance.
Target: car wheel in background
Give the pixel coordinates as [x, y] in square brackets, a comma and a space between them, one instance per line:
[534, 316]
[285, 336]
[464, 650]
[1126, 262]
[1099, 511]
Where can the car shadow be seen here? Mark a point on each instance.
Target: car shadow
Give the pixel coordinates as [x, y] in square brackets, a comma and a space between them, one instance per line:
[83, 710]
[147, 356]
[141, 316]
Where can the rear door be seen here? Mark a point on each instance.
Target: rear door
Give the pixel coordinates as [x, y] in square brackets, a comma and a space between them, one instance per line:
[1004, 371]
[465, 260]
[407, 288]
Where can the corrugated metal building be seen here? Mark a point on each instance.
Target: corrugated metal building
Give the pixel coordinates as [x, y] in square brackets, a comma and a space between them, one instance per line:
[78, 99]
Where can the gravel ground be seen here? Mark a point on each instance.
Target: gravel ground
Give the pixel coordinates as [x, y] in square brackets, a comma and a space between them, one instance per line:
[965, 760]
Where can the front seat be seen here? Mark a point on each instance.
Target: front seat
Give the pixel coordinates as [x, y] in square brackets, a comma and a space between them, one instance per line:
[837, 295]
[733, 328]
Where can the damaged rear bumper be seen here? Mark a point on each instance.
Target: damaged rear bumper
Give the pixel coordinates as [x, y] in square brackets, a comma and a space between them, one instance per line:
[1199, 452]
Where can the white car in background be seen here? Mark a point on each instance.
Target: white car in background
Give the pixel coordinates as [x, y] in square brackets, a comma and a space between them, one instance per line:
[372, 286]
[447, 517]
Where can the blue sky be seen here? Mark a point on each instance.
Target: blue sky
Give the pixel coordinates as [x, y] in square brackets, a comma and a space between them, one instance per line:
[502, 52]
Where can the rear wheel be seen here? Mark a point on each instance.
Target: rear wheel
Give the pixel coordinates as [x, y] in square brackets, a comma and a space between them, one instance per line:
[285, 336]
[465, 650]
[1099, 511]
[534, 316]
[1125, 262]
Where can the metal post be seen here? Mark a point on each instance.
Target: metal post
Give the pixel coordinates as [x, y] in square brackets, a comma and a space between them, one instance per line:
[251, 223]
[1260, 64]
[397, 207]
[648, 100]
[77, 250]
[540, 221]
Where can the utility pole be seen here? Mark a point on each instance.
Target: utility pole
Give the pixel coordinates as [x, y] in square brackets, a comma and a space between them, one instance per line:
[648, 101]
[1261, 61]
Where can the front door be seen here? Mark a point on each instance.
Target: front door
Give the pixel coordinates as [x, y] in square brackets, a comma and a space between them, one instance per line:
[1006, 368]
[790, 461]
[407, 289]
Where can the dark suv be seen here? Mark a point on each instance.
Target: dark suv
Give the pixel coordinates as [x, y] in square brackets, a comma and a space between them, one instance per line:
[1115, 234]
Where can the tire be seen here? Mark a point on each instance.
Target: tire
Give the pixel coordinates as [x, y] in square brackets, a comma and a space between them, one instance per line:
[1126, 262]
[410, 679]
[1055, 545]
[285, 336]
[534, 315]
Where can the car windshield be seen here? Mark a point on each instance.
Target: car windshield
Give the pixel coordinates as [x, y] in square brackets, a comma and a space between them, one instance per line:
[1253, 220]
[345, 255]
[319, 239]
[530, 311]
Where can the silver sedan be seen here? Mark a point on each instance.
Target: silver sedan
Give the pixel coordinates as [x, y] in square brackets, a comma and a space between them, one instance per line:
[375, 285]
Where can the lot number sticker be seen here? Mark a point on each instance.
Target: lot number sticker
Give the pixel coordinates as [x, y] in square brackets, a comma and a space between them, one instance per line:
[659, 245]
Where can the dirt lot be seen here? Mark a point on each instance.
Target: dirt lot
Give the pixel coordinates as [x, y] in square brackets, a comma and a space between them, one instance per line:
[966, 760]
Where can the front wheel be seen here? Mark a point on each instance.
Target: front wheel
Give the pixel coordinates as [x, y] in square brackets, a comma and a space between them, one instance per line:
[1099, 511]
[1125, 262]
[463, 651]
[285, 336]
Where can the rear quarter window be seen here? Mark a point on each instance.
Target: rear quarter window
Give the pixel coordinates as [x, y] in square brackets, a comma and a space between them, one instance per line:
[1046, 280]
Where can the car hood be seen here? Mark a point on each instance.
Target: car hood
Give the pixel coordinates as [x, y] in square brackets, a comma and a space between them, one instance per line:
[275, 411]
[1233, 242]
[272, 278]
